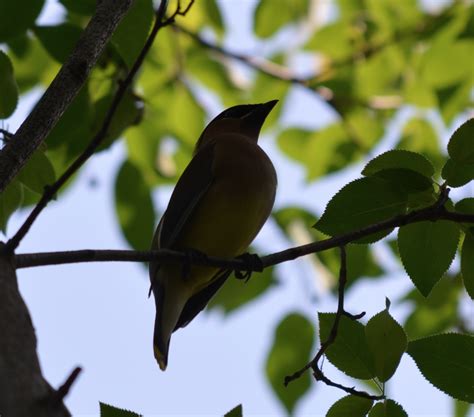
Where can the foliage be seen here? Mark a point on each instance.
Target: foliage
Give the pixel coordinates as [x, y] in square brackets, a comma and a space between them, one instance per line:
[376, 59]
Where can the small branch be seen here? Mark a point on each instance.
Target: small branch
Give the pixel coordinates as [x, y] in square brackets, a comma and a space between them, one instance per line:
[62, 90]
[317, 372]
[51, 191]
[58, 396]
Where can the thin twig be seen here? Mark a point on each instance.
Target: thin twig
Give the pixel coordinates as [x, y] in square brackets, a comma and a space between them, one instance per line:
[317, 372]
[61, 393]
[50, 191]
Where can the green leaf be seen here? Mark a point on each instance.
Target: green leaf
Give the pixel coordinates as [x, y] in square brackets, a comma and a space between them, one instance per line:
[31, 63]
[359, 204]
[461, 409]
[37, 173]
[467, 263]
[237, 293]
[419, 136]
[466, 205]
[388, 408]
[17, 16]
[291, 350]
[84, 7]
[268, 20]
[214, 15]
[387, 341]
[436, 313]
[445, 62]
[461, 143]
[350, 406]
[333, 40]
[134, 207]
[8, 87]
[58, 40]
[427, 250]
[235, 412]
[447, 361]
[72, 130]
[350, 352]
[131, 34]
[321, 152]
[457, 174]
[129, 112]
[111, 411]
[10, 200]
[399, 159]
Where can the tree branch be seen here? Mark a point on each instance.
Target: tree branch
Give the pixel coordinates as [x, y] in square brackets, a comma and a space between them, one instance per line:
[22, 386]
[431, 213]
[50, 191]
[62, 90]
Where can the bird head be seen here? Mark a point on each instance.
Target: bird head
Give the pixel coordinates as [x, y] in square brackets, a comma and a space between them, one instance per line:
[244, 119]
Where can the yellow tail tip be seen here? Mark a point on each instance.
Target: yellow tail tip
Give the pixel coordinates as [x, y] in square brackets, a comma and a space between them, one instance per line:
[160, 358]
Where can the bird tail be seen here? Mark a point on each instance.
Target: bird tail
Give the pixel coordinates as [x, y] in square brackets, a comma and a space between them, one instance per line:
[169, 306]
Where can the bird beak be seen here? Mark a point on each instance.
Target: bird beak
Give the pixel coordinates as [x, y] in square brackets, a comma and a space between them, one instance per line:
[254, 120]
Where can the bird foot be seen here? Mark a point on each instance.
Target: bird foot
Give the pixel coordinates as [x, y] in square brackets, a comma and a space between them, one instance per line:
[252, 262]
[191, 257]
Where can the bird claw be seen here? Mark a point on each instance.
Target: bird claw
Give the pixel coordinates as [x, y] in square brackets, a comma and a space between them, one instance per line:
[253, 263]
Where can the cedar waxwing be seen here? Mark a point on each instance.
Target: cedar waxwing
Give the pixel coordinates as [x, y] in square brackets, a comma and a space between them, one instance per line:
[218, 206]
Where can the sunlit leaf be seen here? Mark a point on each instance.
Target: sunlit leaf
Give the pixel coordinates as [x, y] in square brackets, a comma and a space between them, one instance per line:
[291, 349]
[134, 207]
[268, 21]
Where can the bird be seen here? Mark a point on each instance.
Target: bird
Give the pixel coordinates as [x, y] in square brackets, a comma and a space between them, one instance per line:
[218, 206]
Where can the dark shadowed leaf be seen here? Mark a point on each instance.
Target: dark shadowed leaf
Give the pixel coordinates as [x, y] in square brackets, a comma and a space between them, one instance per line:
[457, 174]
[447, 362]
[134, 207]
[359, 204]
[467, 263]
[350, 352]
[461, 144]
[387, 341]
[130, 35]
[8, 87]
[427, 250]
[111, 411]
[10, 200]
[84, 7]
[350, 406]
[37, 173]
[268, 20]
[399, 159]
[17, 16]
[291, 349]
[58, 40]
[388, 408]
[235, 412]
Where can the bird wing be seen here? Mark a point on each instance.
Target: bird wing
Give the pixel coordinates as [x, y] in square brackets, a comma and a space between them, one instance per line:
[191, 186]
[198, 301]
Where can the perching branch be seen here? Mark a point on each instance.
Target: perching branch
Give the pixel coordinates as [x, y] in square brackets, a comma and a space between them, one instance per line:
[62, 90]
[431, 213]
[50, 191]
